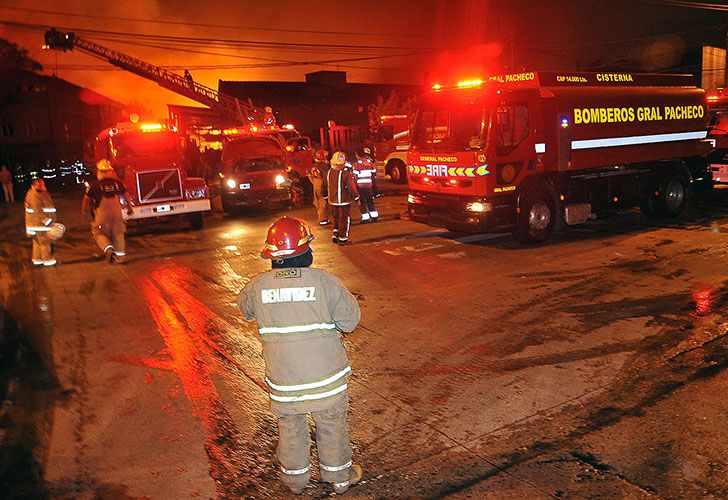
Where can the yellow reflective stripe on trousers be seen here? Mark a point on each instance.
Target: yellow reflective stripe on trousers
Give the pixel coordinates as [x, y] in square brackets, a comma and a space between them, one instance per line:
[336, 469]
[312, 385]
[296, 328]
[308, 397]
[296, 472]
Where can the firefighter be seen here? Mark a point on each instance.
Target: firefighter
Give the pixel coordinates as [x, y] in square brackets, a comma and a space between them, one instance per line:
[299, 311]
[40, 216]
[102, 207]
[366, 172]
[317, 176]
[341, 193]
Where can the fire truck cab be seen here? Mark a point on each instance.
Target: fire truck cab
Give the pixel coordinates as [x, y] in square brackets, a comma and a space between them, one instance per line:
[528, 152]
[148, 159]
[390, 146]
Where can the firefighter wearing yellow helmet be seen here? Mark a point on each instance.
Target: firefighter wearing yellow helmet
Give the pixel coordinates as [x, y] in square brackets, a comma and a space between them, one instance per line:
[340, 192]
[102, 207]
[300, 311]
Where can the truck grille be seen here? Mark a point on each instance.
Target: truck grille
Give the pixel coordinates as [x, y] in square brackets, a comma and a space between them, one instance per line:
[159, 185]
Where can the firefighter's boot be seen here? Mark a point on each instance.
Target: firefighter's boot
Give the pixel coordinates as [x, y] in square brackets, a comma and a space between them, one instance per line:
[355, 475]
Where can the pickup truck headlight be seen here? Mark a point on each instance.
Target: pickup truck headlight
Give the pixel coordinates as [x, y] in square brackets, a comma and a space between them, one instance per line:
[231, 183]
[195, 194]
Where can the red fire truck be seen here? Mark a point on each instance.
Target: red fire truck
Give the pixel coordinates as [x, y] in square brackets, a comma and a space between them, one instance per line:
[527, 152]
[147, 158]
[390, 147]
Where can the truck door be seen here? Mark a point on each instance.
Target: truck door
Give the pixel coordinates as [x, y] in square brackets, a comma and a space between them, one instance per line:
[514, 144]
[300, 155]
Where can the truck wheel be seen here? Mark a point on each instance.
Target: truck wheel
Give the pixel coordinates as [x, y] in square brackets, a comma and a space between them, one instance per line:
[397, 171]
[673, 195]
[196, 220]
[537, 217]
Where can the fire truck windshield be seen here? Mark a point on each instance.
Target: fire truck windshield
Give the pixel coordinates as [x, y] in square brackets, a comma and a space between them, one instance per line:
[133, 144]
[455, 129]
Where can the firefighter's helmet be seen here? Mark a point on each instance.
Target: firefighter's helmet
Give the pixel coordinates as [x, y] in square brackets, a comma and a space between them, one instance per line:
[320, 155]
[367, 151]
[338, 158]
[287, 237]
[104, 166]
[57, 231]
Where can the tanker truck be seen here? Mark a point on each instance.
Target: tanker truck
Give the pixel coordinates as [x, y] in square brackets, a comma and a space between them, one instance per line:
[530, 152]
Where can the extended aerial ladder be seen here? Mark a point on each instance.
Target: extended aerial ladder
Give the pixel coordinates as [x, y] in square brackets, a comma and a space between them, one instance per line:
[232, 109]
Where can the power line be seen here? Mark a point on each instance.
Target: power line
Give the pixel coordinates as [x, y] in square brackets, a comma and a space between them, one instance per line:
[204, 25]
[692, 5]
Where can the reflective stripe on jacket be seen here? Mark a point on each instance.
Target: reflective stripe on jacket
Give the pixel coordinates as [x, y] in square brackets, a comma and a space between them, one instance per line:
[341, 187]
[365, 172]
[299, 313]
[39, 212]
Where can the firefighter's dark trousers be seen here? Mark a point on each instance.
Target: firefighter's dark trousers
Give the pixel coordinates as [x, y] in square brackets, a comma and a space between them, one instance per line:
[366, 203]
[332, 444]
[341, 215]
[109, 227]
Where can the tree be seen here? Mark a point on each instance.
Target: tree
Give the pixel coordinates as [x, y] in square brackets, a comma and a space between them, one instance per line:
[12, 56]
[394, 104]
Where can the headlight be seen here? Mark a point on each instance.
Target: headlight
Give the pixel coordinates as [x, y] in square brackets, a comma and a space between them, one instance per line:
[411, 198]
[478, 207]
[280, 179]
[194, 194]
[231, 183]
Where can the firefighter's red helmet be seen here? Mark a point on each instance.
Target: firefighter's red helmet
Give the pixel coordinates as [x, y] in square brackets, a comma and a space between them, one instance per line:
[321, 155]
[287, 237]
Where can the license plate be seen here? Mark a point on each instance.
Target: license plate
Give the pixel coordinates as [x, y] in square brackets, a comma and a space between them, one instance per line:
[163, 208]
[245, 186]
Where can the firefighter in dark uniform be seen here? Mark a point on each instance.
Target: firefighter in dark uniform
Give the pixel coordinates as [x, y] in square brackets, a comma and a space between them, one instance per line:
[341, 192]
[366, 172]
[300, 311]
[102, 207]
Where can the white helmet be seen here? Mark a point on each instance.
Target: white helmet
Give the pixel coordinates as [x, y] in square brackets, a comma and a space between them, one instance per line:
[57, 231]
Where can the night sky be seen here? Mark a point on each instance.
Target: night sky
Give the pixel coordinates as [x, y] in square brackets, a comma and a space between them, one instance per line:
[385, 41]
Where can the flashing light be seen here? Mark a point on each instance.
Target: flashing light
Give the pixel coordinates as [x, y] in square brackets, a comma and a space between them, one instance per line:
[564, 122]
[713, 98]
[476, 82]
[453, 182]
[289, 148]
[436, 87]
[411, 198]
[45, 46]
[288, 126]
[230, 131]
[151, 127]
[426, 179]
[231, 183]
[253, 128]
[394, 117]
[134, 118]
[279, 179]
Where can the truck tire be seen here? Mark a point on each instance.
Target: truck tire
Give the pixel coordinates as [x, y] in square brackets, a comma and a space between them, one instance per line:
[397, 171]
[196, 220]
[673, 194]
[537, 216]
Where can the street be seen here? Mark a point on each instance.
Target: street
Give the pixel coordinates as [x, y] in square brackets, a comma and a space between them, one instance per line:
[589, 366]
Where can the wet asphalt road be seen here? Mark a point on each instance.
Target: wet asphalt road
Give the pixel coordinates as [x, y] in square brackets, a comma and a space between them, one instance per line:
[585, 367]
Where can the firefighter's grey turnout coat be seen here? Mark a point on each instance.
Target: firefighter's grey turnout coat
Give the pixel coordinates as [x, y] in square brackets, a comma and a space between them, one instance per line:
[299, 313]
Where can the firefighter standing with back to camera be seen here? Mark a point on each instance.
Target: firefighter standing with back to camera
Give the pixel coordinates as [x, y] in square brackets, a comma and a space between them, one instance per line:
[341, 192]
[102, 206]
[365, 172]
[299, 311]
